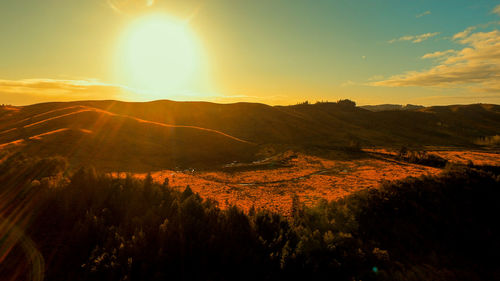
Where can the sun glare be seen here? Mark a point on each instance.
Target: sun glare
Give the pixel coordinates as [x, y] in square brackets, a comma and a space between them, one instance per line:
[160, 57]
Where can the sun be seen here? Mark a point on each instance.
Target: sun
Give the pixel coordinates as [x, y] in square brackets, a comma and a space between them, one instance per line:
[160, 57]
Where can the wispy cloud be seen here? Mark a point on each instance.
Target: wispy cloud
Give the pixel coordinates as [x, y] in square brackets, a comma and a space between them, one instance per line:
[347, 83]
[40, 90]
[465, 33]
[376, 77]
[438, 54]
[476, 67]
[470, 29]
[415, 38]
[423, 14]
[496, 10]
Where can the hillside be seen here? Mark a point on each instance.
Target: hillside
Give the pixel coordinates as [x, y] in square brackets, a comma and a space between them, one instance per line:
[116, 135]
[329, 124]
[91, 136]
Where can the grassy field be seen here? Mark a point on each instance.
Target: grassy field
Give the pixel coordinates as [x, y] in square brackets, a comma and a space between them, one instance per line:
[271, 184]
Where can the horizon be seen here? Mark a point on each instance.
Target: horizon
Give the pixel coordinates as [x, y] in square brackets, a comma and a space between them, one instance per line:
[272, 53]
[250, 102]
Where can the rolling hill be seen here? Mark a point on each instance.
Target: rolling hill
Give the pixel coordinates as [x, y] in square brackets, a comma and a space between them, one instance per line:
[115, 135]
[88, 135]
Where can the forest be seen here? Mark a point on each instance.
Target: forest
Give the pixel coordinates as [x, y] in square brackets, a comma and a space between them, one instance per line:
[88, 225]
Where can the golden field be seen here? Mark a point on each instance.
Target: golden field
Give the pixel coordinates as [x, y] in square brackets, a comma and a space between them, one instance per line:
[270, 184]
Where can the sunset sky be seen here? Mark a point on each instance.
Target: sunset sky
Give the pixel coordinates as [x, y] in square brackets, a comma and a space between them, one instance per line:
[270, 51]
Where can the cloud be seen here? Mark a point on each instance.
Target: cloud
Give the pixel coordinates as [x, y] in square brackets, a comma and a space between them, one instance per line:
[476, 67]
[40, 90]
[438, 54]
[376, 77]
[127, 6]
[347, 83]
[469, 29]
[423, 14]
[496, 10]
[464, 33]
[415, 38]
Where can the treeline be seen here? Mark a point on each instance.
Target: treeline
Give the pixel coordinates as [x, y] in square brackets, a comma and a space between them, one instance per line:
[89, 226]
[343, 103]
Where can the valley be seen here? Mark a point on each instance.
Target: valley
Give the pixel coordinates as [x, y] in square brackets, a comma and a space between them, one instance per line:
[253, 155]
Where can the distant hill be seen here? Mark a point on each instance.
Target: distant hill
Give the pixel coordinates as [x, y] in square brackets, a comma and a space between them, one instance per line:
[117, 135]
[388, 107]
